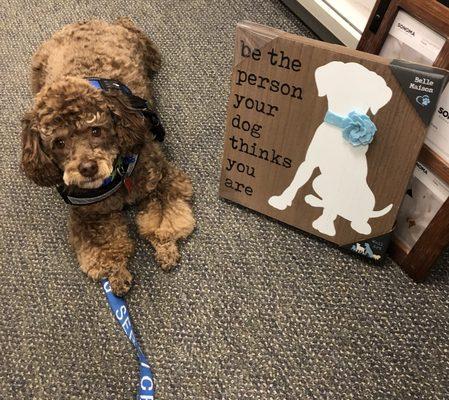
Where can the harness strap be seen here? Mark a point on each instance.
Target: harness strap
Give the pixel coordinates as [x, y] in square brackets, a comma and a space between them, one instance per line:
[136, 102]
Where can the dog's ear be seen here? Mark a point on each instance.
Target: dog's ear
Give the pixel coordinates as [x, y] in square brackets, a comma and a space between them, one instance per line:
[325, 76]
[129, 123]
[37, 165]
[381, 94]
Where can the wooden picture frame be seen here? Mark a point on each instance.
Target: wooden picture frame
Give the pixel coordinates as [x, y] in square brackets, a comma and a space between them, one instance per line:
[418, 261]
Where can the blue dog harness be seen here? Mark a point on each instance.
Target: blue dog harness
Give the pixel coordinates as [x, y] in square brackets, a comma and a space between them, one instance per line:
[124, 165]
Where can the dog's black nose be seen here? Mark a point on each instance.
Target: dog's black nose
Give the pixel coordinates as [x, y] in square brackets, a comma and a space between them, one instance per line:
[88, 168]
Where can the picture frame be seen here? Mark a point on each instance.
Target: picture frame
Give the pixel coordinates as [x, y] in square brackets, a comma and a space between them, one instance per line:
[432, 17]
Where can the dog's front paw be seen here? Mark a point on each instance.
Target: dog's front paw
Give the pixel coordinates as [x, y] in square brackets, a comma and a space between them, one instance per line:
[120, 282]
[95, 273]
[167, 255]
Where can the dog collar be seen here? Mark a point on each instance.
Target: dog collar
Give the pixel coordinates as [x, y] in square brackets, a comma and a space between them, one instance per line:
[124, 166]
[357, 128]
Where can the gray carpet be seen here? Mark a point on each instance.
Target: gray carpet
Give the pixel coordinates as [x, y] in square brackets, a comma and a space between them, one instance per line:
[256, 310]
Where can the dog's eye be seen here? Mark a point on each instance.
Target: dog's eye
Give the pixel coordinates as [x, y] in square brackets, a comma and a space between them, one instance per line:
[96, 131]
[59, 143]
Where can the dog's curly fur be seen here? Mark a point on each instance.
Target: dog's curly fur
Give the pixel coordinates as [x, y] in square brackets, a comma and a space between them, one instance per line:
[72, 123]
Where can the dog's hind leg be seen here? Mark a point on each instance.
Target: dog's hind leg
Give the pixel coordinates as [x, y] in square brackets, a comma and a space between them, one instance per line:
[325, 223]
[152, 56]
[313, 200]
[167, 216]
[361, 226]
[102, 246]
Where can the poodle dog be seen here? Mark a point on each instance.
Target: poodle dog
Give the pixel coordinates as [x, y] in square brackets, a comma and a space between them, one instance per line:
[75, 133]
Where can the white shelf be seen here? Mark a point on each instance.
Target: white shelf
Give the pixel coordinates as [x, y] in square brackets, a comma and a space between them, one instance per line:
[345, 19]
[356, 12]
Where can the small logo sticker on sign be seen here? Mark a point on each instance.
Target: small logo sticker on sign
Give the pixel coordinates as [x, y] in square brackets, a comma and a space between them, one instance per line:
[423, 100]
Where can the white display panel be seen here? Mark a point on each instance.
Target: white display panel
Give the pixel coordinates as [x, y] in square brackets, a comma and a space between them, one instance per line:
[344, 29]
[425, 196]
[356, 12]
[411, 40]
[438, 134]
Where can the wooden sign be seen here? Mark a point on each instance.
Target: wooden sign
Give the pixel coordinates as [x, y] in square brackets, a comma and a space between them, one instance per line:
[322, 137]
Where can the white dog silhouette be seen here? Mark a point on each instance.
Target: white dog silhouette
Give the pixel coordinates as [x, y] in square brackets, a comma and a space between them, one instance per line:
[341, 185]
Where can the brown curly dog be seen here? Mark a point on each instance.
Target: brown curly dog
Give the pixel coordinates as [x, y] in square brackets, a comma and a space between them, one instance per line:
[74, 133]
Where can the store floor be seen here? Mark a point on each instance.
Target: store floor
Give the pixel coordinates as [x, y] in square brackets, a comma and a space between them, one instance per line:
[256, 310]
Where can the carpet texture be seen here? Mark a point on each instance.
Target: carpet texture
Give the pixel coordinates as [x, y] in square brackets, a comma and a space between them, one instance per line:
[256, 310]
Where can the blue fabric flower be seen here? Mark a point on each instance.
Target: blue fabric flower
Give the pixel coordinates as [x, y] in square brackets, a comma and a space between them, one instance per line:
[358, 129]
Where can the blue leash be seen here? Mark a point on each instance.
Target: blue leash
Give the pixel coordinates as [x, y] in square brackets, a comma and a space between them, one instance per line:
[121, 314]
